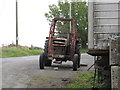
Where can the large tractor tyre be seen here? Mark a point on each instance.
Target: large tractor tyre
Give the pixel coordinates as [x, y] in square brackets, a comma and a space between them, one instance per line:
[47, 61]
[46, 47]
[77, 51]
[42, 60]
[78, 61]
[75, 62]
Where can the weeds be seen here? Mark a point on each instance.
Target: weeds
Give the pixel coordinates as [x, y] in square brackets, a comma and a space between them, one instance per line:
[84, 80]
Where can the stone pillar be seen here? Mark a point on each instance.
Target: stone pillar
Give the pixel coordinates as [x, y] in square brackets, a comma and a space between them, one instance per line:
[115, 62]
[115, 77]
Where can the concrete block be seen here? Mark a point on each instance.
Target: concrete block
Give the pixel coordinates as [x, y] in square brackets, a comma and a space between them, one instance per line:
[115, 51]
[115, 77]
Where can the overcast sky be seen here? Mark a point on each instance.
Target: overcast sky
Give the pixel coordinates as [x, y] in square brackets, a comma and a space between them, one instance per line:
[32, 24]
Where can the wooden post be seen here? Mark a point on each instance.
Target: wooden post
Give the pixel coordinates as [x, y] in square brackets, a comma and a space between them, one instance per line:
[16, 23]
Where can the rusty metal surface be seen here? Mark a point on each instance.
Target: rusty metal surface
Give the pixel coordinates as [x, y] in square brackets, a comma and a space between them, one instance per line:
[98, 52]
[55, 42]
[59, 50]
[59, 42]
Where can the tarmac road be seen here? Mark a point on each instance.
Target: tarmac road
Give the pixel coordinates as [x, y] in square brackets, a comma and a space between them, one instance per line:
[23, 72]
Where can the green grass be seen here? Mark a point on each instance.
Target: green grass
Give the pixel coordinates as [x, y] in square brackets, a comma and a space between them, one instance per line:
[22, 51]
[17, 52]
[83, 80]
[42, 80]
[84, 50]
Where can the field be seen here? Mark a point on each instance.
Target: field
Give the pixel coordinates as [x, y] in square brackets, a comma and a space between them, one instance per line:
[22, 51]
[17, 52]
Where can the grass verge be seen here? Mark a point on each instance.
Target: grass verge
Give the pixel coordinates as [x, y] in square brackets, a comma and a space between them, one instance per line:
[18, 52]
[83, 80]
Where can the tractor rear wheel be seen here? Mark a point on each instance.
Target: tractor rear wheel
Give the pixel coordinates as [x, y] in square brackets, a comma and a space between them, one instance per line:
[41, 60]
[77, 51]
[47, 61]
[46, 47]
[75, 62]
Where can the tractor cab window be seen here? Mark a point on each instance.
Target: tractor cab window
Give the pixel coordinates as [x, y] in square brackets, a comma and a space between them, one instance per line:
[62, 29]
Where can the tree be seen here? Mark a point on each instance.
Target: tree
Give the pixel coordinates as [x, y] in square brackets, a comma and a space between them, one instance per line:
[79, 13]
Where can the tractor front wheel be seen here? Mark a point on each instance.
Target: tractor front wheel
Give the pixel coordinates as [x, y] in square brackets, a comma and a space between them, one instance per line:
[75, 62]
[41, 60]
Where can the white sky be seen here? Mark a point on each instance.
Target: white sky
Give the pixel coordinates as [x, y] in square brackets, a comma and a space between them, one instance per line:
[32, 24]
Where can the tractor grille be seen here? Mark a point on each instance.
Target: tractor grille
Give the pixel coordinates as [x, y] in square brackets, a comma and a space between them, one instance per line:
[59, 42]
[58, 50]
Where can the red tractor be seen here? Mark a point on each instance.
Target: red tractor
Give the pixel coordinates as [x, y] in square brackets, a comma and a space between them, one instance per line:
[61, 45]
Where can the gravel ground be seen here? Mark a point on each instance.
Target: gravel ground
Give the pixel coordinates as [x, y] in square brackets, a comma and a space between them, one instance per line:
[23, 72]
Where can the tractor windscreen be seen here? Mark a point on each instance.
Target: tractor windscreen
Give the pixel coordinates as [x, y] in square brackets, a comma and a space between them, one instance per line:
[62, 29]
